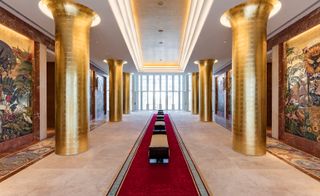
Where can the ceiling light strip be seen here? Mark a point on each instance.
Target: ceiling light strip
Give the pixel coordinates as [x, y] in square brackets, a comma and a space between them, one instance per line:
[128, 31]
[123, 13]
[200, 16]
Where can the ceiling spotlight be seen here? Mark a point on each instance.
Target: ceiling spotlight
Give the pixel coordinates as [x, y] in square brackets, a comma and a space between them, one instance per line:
[160, 30]
[215, 61]
[160, 3]
[225, 41]
[105, 61]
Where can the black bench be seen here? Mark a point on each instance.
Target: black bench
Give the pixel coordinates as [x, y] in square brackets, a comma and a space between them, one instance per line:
[159, 149]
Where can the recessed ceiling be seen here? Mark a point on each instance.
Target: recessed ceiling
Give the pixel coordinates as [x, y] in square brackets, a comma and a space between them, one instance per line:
[107, 40]
[160, 47]
[160, 34]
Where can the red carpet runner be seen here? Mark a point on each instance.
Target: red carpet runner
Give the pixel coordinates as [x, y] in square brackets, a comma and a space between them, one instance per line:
[170, 179]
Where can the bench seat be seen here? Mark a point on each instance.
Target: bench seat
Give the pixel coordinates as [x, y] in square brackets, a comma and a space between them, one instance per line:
[159, 149]
[159, 119]
[159, 125]
[159, 131]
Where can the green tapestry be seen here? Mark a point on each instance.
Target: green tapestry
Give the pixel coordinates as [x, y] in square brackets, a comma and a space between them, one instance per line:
[15, 92]
[302, 108]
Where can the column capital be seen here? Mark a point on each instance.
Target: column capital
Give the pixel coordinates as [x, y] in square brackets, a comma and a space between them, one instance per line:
[195, 73]
[250, 10]
[56, 9]
[206, 62]
[116, 61]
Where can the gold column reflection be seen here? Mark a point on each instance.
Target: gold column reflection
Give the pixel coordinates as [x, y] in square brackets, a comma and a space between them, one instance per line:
[72, 26]
[195, 93]
[115, 92]
[249, 24]
[126, 93]
[205, 89]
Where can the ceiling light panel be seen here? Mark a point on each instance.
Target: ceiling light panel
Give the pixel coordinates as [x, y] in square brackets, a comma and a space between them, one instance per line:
[179, 21]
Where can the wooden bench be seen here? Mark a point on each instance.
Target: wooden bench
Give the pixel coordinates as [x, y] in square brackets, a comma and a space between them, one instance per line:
[160, 113]
[160, 118]
[159, 149]
[159, 131]
[159, 125]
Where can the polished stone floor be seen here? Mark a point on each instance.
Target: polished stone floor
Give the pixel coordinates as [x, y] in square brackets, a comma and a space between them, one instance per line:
[90, 173]
[229, 173]
[225, 171]
[13, 162]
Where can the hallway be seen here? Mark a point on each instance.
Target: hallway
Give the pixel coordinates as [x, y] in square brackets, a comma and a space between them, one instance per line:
[224, 171]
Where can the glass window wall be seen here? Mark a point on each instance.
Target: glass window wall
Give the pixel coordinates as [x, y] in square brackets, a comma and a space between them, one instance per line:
[165, 91]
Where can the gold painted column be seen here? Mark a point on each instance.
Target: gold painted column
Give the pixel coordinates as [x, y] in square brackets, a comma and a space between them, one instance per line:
[126, 93]
[249, 47]
[195, 93]
[72, 26]
[115, 92]
[205, 89]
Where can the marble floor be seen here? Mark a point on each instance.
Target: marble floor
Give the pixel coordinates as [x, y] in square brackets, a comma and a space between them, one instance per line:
[90, 173]
[225, 172]
[13, 162]
[229, 173]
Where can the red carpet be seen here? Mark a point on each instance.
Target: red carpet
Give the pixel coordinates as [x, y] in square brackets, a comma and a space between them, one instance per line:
[170, 179]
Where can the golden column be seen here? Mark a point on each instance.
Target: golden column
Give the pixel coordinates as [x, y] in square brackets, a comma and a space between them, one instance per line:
[195, 93]
[126, 93]
[249, 23]
[72, 26]
[115, 92]
[205, 89]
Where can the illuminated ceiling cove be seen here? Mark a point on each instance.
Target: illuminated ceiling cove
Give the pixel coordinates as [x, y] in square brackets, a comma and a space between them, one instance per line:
[160, 34]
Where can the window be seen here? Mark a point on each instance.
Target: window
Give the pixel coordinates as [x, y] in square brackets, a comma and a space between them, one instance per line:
[164, 91]
[144, 100]
[150, 83]
[150, 100]
[144, 83]
[157, 100]
[170, 100]
[157, 83]
[163, 100]
[169, 82]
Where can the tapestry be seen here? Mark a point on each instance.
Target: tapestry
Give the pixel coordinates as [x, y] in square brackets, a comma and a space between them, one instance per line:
[220, 94]
[16, 62]
[302, 107]
[99, 97]
[229, 93]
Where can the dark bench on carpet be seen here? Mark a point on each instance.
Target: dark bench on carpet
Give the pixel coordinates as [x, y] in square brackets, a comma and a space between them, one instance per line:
[162, 131]
[159, 149]
[160, 118]
[160, 112]
[159, 125]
